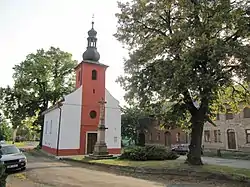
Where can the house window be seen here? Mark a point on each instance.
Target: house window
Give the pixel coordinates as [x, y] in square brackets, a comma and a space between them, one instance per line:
[229, 114]
[207, 136]
[150, 137]
[115, 139]
[178, 137]
[94, 75]
[158, 136]
[248, 135]
[217, 117]
[217, 136]
[246, 112]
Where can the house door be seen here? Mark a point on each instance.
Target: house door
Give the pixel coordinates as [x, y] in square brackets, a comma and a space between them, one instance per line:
[167, 136]
[91, 140]
[231, 139]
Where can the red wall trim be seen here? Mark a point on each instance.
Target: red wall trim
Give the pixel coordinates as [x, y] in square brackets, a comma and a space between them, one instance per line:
[61, 152]
[114, 151]
[69, 152]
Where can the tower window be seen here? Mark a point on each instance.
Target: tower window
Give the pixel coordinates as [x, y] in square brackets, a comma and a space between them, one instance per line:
[94, 75]
[79, 76]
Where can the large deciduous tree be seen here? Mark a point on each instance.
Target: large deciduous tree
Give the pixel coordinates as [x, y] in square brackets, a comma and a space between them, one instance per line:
[43, 78]
[13, 107]
[189, 53]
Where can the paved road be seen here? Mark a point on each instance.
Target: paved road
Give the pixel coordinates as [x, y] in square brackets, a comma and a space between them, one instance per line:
[45, 172]
[224, 162]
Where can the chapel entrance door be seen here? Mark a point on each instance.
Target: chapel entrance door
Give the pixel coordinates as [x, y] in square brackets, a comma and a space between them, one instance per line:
[91, 140]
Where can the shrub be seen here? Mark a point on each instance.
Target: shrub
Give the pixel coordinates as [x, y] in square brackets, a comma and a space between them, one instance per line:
[148, 152]
[38, 147]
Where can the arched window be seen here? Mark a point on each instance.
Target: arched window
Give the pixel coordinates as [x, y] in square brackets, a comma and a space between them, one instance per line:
[246, 112]
[178, 137]
[94, 75]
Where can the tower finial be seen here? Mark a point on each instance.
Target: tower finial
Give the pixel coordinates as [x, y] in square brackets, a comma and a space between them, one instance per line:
[93, 17]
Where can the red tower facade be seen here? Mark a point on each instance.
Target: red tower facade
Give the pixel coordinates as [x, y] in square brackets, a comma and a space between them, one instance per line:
[90, 74]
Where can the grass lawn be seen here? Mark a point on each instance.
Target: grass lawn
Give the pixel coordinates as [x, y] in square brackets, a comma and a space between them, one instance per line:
[20, 144]
[172, 164]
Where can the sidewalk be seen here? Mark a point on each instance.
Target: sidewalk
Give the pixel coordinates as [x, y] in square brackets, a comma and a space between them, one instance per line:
[224, 162]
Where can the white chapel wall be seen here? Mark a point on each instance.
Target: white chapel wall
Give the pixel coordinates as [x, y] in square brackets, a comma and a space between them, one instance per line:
[71, 120]
[50, 130]
[112, 121]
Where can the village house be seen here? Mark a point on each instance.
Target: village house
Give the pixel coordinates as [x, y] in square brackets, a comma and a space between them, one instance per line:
[167, 137]
[70, 127]
[232, 132]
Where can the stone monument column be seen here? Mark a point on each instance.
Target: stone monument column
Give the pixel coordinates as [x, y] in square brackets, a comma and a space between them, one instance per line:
[100, 148]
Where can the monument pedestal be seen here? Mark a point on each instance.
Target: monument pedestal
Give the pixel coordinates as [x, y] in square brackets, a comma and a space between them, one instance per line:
[100, 152]
[100, 149]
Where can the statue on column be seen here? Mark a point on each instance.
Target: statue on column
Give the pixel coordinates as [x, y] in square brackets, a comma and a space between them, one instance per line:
[100, 148]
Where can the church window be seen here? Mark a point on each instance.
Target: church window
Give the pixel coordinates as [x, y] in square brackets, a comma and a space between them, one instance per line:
[115, 139]
[46, 127]
[92, 114]
[50, 127]
[94, 75]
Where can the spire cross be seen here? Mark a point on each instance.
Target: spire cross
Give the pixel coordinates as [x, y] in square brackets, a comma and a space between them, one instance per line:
[93, 17]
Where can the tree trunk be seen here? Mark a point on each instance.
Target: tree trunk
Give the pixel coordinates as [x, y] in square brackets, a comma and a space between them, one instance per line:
[14, 136]
[41, 132]
[41, 121]
[194, 155]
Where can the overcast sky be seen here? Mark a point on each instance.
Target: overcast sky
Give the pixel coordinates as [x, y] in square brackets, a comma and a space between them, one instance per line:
[28, 25]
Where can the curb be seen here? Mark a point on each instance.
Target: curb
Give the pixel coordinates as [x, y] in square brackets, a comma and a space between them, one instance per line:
[165, 171]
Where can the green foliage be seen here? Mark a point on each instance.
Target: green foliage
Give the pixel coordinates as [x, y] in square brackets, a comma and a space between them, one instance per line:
[42, 79]
[27, 130]
[188, 53]
[5, 130]
[12, 105]
[130, 122]
[183, 48]
[148, 152]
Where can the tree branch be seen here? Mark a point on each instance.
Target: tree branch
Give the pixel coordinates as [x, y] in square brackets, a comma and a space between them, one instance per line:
[152, 29]
[233, 36]
[189, 102]
[167, 20]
